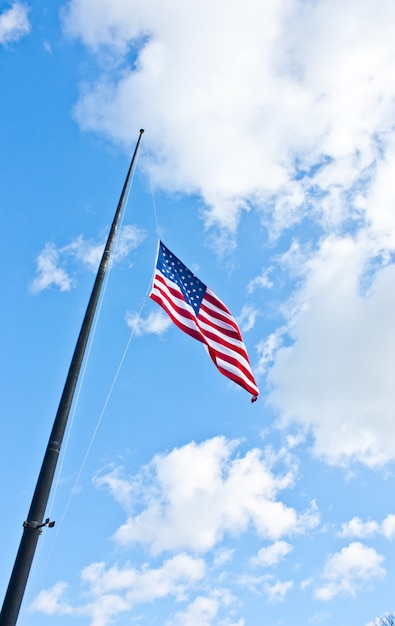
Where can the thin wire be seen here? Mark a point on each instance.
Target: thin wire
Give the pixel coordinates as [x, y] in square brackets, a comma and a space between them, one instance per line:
[59, 524]
[152, 197]
[97, 317]
[73, 490]
[70, 428]
[96, 321]
[86, 361]
[154, 268]
[79, 389]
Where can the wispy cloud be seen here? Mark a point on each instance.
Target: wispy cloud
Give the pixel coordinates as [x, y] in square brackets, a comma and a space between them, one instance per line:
[261, 281]
[85, 251]
[14, 23]
[53, 263]
[49, 273]
[204, 610]
[90, 253]
[50, 601]
[223, 556]
[277, 591]
[247, 317]
[271, 555]
[120, 487]
[321, 616]
[267, 349]
[113, 590]
[155, 323]
[130, 237]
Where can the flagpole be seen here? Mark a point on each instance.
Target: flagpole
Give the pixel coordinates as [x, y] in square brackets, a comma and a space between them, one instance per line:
[34, 523]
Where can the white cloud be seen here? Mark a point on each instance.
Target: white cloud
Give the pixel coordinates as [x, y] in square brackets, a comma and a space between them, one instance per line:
[277, 591]
[111, 591]
[14, 23]
[200, 612]
[87, 252]
[388, 526]
[130, 237]
[155, 323]
[271, 555]
[336, 378]
[360, 529]
[204, 610]
[346, 571]
[90, 253]
[49, 273]
[261, 281]
[253, 583]
[49, 601]
[47, 47]
[146, 584]
[306, 583]
[223, 556]
[51, 262]
[198, 493]
[293, 62]
[267, 350]
[120, 487]
[247, 318]
[295, 440]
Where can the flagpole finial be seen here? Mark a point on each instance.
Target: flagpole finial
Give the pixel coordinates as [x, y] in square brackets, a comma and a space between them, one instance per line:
[141, 131]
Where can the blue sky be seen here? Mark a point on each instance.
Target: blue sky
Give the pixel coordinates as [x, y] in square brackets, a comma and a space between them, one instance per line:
[267, 167]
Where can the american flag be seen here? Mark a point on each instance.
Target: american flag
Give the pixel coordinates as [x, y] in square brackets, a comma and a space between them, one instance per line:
[195, 309]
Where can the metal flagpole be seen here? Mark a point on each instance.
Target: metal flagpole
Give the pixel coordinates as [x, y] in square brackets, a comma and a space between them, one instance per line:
[32, 527]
